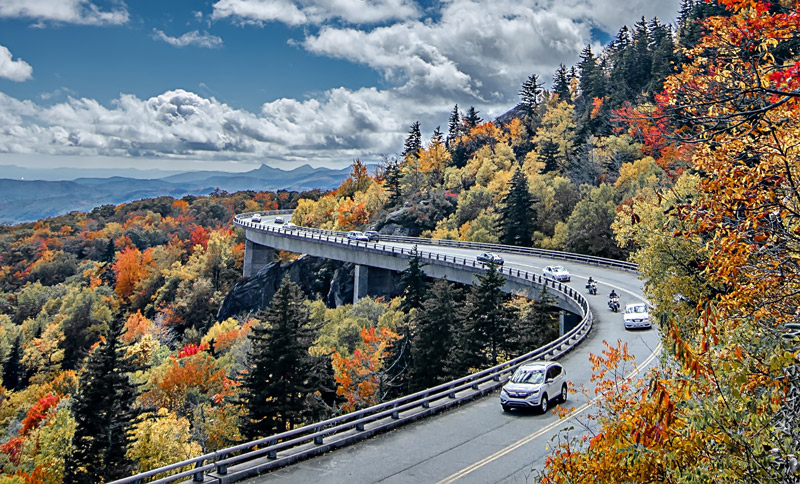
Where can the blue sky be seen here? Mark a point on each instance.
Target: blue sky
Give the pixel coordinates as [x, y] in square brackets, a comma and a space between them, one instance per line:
[229, 84]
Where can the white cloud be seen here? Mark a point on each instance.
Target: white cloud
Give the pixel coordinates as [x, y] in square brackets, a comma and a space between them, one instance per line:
[66, 11]
[200, 39]
[470, 52]
[333, 130]
[299, 12]
[16, 70]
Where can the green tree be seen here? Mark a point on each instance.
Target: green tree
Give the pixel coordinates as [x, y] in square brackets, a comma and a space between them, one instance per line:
[283, 380]
[485, 331]
[516, 212]
[589, 225]
[392, 180]
[472, 120]
[413, 142]
[105, 412]
[561, 83]
[535, 327]
[13, 372]
[442, 311]
[455, 127]
[414, 283]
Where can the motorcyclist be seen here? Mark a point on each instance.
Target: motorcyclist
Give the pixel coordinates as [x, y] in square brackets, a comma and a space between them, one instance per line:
[590, 281]
[613, 295]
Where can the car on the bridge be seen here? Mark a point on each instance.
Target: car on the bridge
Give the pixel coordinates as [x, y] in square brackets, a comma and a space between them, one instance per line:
[256, 218]
[278, 220]
[489, 258]
[357, 236]
[557, 273]
[372, 235]
[534, 385]
[637, 315]
[290, 226]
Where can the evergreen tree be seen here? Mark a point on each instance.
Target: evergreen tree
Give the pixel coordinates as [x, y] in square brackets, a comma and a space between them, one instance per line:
[532, 94]
[413, 142]
[516, 212]
[538, 327]
[414, 283]
[13, 373]
[664, 57]
[455, 127]
[282, 379]
[392, 180]
[561, 84]
[105, 411]
[399, 361]
[484, 334]
[472, 120]
[433, 337]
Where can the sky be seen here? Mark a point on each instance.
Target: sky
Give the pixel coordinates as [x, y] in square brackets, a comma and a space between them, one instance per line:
[231, 84]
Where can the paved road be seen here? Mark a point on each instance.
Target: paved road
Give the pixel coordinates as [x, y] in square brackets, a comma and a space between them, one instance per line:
[478, 442]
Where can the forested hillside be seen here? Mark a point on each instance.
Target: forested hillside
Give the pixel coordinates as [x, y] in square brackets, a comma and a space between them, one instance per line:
[675, 148]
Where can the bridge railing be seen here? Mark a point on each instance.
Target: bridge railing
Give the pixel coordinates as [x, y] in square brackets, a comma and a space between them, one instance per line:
[242, 220]
[252, 458]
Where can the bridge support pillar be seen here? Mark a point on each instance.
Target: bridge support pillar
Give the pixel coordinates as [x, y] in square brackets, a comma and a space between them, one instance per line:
[361, 282]
[255, 257]
[567, 321]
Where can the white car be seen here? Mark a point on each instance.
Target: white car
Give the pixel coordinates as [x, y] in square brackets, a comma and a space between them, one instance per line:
[358, 236]
[489, 258]
[256, 218]
[637, 315]
[534, 385]
[278, 220]
[557, 273]
[290, 226]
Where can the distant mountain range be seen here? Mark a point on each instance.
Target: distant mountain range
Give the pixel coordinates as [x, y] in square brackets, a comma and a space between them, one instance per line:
[26, 195]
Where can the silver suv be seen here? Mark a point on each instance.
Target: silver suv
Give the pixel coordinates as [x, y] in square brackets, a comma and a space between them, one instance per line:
[534, 385]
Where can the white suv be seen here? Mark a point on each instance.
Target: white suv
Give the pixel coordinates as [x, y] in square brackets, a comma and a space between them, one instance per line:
[557, 273]
[636, 316]
[534, 385]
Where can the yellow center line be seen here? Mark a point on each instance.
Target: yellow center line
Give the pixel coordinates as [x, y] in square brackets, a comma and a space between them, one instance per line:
[547, 428]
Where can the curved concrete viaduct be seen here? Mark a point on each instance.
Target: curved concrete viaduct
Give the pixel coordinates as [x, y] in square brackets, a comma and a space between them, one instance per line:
[478, 442]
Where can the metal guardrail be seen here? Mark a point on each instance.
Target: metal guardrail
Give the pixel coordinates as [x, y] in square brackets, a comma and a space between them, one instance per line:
[252, 458]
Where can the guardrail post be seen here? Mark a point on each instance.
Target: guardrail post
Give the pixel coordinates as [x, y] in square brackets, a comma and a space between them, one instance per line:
[360, 426]
[474, 386]
[222, 469]
[272, 454]
[198, 476]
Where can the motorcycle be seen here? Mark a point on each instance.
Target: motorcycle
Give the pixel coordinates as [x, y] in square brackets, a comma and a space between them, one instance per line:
[592, 287]
[613, 303]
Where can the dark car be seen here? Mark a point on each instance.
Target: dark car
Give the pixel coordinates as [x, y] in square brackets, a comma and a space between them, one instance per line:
[372, 235]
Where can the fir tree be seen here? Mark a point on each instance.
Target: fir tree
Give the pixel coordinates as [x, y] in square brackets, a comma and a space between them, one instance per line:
[392, 180]
[516, 212]
[105, 411]
[561, 84]
[399, 361]
[485, 331]
[13, 373]
[413, 142]
[414, 283]
[455, 127]
[283, 380]
[472, 120]
[531, 93]
[538, 327]
[433, 337]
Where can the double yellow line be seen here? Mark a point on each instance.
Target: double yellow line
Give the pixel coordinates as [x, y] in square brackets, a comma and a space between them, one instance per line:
[467, 470]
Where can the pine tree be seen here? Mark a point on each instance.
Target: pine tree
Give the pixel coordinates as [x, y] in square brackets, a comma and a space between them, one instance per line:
[283, 380]
[105, 411]
[454, 126]
[13, 373]
[399, 361]
[413, 142]
[414, 283]
[484, 334]
[532, 94]
[472, 120]
[433, 337]
[537, 328]
[392, 180]
[561, 84]
[516, 212]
